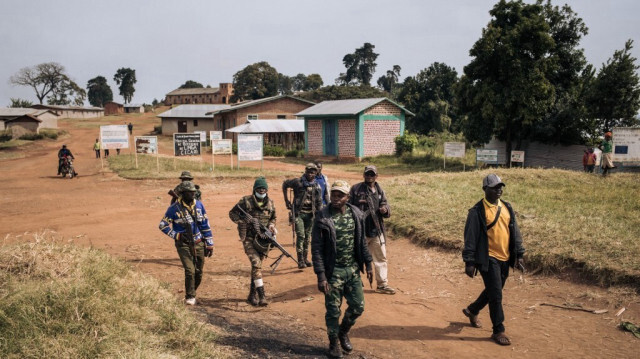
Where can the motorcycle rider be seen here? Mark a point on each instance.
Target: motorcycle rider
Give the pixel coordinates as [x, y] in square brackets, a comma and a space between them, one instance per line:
[62, 153]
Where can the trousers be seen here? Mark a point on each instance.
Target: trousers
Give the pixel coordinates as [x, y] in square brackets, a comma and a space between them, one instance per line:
[494, 280]
[304, 223]
[378, 250]
[344, 283]
[192, 273]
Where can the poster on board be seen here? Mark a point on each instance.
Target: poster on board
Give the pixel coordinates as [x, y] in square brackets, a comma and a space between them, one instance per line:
[454, 149]
[487, 156]
[114, 136]
[517, 156]
[146, 144]
[250, 147]
[186, 144]
[203, 135]
[221, 147]
[626, 144]
[215, 135]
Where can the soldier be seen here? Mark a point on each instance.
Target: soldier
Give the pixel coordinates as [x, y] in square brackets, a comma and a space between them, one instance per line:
[370, 199]
[307, 199]
[186, 176]
[339, 255]
[262, 211]
[186, 222]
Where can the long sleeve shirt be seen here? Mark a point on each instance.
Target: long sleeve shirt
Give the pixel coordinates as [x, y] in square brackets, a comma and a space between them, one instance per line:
[174, 222]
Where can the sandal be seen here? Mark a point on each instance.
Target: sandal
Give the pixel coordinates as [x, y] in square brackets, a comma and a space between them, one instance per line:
[501, 339]
[473, 319]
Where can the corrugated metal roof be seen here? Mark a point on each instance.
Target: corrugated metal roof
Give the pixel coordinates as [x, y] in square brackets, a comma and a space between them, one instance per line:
[193, 111]
[250, 103]
[18, 111]
[133, 105]
[22, 117]
[346, 107]
[195, 91]
[75, 108]
[269, 126]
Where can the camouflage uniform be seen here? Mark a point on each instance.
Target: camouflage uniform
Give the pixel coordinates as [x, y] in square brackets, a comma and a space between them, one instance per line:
[307, 199]
[186, 176]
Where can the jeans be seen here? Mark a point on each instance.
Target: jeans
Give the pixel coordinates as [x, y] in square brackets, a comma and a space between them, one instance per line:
[493, 279]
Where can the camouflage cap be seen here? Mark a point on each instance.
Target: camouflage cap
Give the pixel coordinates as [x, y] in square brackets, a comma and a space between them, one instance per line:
[311, 166]
[186, 175]
[371, 168]
[341, 186]
[187, 186]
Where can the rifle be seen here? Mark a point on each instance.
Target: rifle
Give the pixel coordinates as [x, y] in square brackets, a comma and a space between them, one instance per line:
[373, 211]
[270, 236]
[187, 226]
[292, 219]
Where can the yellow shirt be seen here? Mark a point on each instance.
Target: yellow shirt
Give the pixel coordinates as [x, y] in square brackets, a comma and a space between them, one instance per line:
[498, 235]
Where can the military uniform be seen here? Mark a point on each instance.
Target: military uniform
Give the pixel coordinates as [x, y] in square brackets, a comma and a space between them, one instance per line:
[186, 176]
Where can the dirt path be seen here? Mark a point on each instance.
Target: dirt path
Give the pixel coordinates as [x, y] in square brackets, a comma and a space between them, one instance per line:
[423, 320]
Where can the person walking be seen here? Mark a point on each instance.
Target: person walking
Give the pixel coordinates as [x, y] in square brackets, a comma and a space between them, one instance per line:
[96, 147]
[369, 197]
[187, 223]
[186, 176]
[307, 199]
[492, 244]
[340, 254]
[323, 182]
[607, 153]
[261, 210]
[130, 127]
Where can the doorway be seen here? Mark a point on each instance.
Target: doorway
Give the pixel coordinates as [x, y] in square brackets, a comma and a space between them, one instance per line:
[182, 126]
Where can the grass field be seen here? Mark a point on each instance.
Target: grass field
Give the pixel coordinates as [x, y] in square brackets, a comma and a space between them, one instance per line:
[569, 220]
[63, 301]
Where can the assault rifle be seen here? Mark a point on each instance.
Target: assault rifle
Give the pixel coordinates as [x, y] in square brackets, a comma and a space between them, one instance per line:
[292, 219]
[373, 211]
[188, 229]
[269, 236]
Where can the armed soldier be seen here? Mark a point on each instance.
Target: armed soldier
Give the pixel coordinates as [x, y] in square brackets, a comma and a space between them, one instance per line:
[186, 176]
[260, 210]
[307, 199]
[186, 222]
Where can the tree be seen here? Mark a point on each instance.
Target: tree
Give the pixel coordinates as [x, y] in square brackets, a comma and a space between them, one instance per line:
[361, 65]
[334, 92]
[285, 84]
[99, 91]
[20, 103]
[43, 78]
[67, 92]
[388, 81]
[254, 82]
[313, 82]
[298, 82]
[154, 103]
[125, 78]
[505, 88]
[189, 84]
[615, 96]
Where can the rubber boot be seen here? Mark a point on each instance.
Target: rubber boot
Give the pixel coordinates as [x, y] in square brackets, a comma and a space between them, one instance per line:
[305, 256]
[262, 300]
[334, 348]
[343, 336]
[253, 295]
[301, 264]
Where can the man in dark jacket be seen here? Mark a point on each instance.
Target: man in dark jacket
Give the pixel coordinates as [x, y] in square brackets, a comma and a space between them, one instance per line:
[62, 153]
[492, 244]
[339, 254]
[307, 199]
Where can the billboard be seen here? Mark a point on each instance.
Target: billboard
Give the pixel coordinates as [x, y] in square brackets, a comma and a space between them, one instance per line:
[454, 149]
[626, 144]
[114, 136]
[487, 156]
[250, 147]
[146, 144]
[517, 156]
[215, 135]
[221, 147]
[186, 144]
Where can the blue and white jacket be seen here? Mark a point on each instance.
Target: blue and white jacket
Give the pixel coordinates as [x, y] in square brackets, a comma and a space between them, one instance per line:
[174, 218]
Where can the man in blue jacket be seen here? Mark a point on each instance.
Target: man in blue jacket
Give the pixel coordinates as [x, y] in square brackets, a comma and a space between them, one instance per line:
[186, 222]
[492, 244]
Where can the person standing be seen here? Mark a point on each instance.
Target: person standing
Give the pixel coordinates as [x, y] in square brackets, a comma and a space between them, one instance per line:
[261, 210]
[339, 254]
[307, 199]
[492, 244]
[187, 223]
[186, 176]
[589, 160]
[96, 147]
[607, 153]
[369, 197]
[106, 153]
[130, 127]
[323, 182]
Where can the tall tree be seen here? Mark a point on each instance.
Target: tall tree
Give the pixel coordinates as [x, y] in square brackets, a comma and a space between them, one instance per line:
[99, 91]
[361, 65]
[313, 82]
[67, 92]
[388, 81]
[285, 84]
[190, 84]
[298, 82]
[255, 81]
[334, 92]
[505, 88]
[615, 95]
[43, 78]
[125, 78]
[20, 103]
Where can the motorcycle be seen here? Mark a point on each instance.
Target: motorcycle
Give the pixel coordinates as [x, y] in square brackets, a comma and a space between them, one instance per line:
[67, 167]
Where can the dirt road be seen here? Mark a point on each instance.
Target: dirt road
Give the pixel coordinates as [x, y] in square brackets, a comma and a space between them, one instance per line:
[423, 320]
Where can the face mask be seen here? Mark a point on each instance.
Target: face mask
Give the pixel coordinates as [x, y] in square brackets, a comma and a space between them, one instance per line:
[260, 196]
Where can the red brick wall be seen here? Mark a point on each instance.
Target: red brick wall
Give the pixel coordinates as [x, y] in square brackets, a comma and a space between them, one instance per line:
[270, 110]
[384, 108]
[347, 138]
[315, 137]
[379, 136]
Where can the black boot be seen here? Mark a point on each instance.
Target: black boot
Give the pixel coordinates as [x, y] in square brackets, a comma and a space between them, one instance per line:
[262, 300]
[305, 256]
[334, 348]
[253, 295]
[343, 336]
[301, 264]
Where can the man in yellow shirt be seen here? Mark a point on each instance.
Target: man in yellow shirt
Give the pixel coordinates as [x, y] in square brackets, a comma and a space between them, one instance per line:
[492, 244]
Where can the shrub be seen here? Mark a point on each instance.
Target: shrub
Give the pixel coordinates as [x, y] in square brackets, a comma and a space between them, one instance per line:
[5, 135]
[157, 129]
[31, 136]
[294, 153]
[406, 143]
[273, 151]
[50, 133]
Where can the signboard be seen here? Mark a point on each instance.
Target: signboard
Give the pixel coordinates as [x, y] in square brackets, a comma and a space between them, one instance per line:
[517, 156]
[221, 147]
[626, 144]
[487, 156]
[203, 135]
[250, 147]
[215, 135]
[146, 144]
[454, 149]
[114, 136]
[186, 144]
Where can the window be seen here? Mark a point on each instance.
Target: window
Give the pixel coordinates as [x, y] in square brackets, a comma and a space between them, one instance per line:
[282, 117]
[195, 123]
[252, 117]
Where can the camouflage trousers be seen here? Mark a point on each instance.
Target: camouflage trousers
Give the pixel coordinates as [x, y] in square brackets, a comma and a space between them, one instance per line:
[255, 258]
[304, 223]
[192, 273]
[344, 283]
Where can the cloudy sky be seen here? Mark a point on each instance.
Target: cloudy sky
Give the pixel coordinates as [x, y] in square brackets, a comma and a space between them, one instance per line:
[169, 42]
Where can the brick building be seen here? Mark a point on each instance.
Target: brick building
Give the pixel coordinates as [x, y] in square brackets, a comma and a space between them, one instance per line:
[188, 118]
[113, 108]
[73, 111]
[353, 128]
[47, 119]
[210, 95]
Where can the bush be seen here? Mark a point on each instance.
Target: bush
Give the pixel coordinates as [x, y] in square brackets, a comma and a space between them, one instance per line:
[294, 153]
[50, 133]
[273, 151]
[157, 129]
[31, 136]
[234, 148]
[5, 135]
[406, 143]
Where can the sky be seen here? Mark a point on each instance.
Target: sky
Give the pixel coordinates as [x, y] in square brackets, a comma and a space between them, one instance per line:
[170, 42]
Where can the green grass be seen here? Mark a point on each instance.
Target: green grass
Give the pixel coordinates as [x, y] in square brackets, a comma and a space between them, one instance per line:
[14, 143]
[569, 220]
[63, 301]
